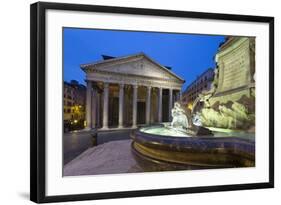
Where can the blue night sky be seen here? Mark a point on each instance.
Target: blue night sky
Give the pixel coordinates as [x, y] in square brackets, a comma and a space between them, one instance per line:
[189, 55]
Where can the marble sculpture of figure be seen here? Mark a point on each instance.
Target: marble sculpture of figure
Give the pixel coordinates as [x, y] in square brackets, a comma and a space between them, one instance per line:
[179, 117]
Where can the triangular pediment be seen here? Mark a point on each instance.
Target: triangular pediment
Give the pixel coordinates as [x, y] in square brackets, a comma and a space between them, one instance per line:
[139, 65]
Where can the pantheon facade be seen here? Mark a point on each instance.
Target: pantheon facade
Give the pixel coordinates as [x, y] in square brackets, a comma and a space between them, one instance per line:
[125, 92]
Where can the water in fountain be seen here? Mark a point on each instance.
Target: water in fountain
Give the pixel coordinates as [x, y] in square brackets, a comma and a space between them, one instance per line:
[181, 125]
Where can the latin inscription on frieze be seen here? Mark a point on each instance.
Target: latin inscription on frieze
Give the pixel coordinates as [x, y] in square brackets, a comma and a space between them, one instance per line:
[235, 70]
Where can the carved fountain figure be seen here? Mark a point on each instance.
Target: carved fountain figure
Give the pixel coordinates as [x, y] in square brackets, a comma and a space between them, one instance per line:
[182, 144]
[230, 102]
[231, 115]
[180, 120]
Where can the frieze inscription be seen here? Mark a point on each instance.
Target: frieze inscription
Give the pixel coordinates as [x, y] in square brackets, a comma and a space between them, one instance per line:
[235, 70]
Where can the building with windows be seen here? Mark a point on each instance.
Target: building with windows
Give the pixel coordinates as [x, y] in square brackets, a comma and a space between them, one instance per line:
[74, 99]
[202, 82]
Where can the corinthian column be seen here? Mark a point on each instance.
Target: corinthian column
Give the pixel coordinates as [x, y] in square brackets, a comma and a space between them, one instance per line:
[170, 103]
[94, 107]
[98, 109]
[148, 103]
[121, 105]
[135, 105]
[89, 105]
[159, 104]
[180, 95]
[105, 105]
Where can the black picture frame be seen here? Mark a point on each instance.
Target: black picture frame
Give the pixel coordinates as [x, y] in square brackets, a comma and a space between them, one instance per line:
[38, 101]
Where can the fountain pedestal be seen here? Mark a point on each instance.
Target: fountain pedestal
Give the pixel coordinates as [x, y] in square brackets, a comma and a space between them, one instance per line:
[156, 152]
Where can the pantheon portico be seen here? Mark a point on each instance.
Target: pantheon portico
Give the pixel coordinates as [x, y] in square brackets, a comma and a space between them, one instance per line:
[127, 91]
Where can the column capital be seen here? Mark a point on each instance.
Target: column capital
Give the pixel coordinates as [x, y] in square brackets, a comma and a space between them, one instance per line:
[148, 89]
[135, 86]
[89, 83]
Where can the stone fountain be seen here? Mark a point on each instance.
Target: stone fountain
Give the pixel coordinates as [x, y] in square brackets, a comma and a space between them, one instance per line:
[219, 131]
[182, 144]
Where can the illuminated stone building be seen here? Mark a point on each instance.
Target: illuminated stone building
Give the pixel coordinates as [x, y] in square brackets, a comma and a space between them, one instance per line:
[202, 82]
[230, 103]
[74, 99]
[124, 92]
[236, 70]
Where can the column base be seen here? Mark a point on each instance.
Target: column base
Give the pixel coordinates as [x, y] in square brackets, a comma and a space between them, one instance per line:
[120, 126]
[88, 128]
[134, 126]
[105, 128]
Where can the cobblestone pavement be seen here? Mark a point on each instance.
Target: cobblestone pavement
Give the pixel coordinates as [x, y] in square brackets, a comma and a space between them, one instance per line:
[75, 143]
[113, 157]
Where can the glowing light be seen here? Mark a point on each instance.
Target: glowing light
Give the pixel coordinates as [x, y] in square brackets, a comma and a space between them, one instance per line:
[189, 106]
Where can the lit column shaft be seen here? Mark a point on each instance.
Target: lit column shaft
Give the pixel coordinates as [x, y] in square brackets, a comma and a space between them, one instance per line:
[135, 105]
[121, 104]
[89, 104]
[159, 104]
[180, 95]
[148, 104]
[105, 105]
[98, 109]
[170, 104]
[94, 107]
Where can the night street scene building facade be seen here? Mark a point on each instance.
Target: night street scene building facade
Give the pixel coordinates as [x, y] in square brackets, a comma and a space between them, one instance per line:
[202, 82]
[74, 99]
[132, 113]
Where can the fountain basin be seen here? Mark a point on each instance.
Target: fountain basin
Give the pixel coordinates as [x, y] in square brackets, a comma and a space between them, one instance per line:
[158, 148]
